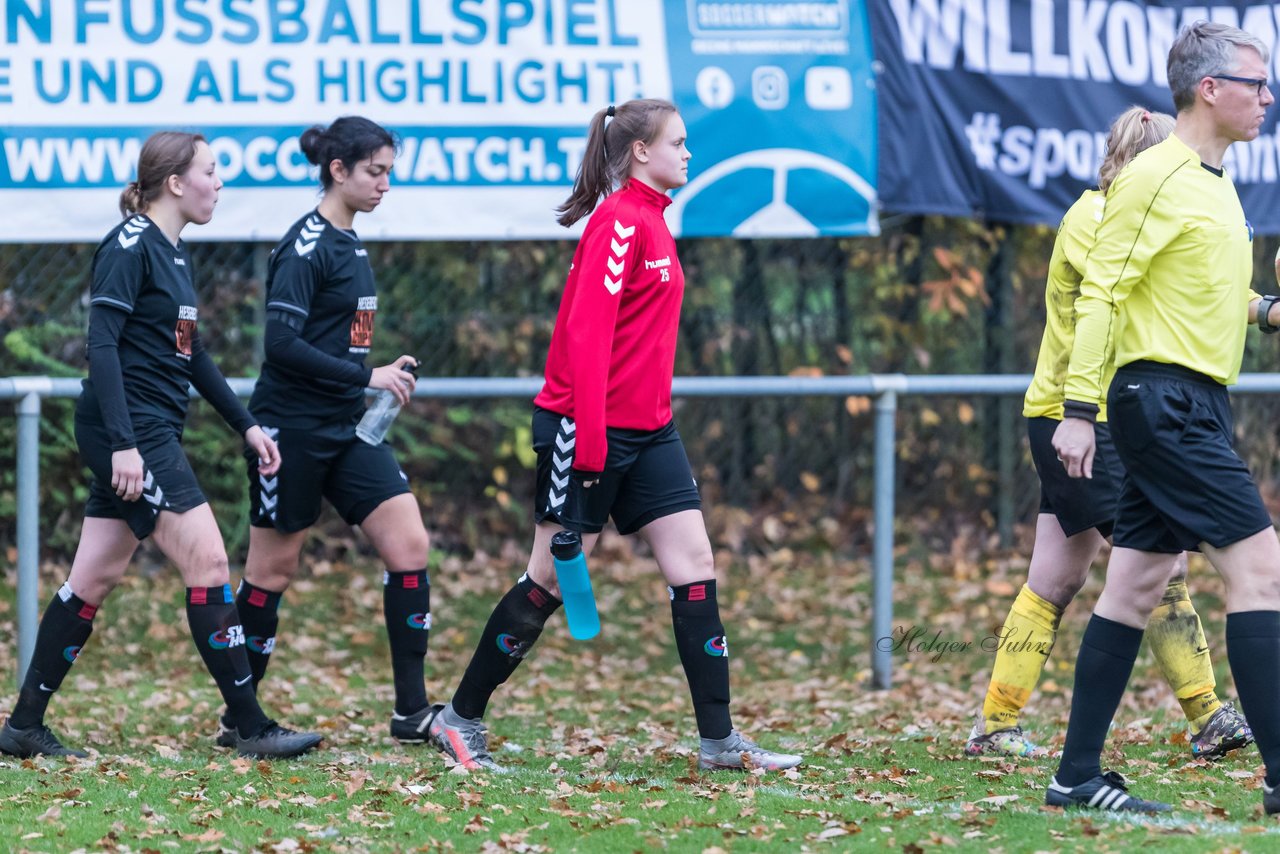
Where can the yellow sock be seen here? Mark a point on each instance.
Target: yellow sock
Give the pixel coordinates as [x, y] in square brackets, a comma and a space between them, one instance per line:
[1177, 641]
[1022, 649]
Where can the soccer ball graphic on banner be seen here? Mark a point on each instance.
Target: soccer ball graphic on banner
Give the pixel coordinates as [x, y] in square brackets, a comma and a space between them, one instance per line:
[801, 186]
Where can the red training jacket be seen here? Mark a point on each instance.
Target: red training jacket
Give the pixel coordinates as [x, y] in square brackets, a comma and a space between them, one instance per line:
[613, 349]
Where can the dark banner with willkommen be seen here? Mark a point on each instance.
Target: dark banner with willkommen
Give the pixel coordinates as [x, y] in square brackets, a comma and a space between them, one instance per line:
[999, 108]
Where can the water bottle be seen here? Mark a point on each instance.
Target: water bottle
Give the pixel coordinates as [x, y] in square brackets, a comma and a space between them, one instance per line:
[575, 585]
[378, 417]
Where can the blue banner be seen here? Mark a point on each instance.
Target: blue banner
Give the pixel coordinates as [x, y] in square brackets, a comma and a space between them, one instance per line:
[999, 109]
[491, 97]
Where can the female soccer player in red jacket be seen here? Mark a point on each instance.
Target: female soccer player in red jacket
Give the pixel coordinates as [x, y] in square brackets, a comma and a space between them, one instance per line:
[605, 439]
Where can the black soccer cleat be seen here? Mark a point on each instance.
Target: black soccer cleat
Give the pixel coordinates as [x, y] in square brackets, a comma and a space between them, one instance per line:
[227, 735]
[276, 742]
[412, 729]
[1107, 791]
[1270, 799]
[34, 741]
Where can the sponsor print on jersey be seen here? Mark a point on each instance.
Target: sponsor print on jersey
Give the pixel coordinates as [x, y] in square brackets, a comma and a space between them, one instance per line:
[662, 265]
[362, 325]
[231, 636]
[718, 646]
[185, 331]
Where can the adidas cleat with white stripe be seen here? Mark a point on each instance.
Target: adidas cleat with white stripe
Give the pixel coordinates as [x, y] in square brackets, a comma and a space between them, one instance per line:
[1107, 791]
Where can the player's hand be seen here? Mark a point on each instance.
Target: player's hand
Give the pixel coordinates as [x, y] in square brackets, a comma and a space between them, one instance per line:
[265, 447]
[585, 479]
[396, 379]
[127, 474]
[1075, 444]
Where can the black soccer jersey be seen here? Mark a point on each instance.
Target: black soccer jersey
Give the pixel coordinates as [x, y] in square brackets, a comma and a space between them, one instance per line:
[320, 275]
[137, 270]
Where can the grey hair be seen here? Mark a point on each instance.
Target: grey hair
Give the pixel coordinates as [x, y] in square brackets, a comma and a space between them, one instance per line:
[1203, 49]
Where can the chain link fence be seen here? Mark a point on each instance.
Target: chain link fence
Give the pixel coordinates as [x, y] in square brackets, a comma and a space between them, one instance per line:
[927, 296]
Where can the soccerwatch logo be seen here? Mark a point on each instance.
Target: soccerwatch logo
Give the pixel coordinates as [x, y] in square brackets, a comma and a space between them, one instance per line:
[419, 621]
[718, 647]
[231, 636]
[71, 653]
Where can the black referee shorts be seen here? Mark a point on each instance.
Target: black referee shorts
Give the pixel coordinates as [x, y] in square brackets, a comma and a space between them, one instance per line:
[646, 477]
[1078, 503]
[1184, 484]
[324, 462]
[168, 481]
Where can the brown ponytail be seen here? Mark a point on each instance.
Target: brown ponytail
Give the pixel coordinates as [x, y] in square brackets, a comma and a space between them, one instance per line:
[165, 153]
[606, 162]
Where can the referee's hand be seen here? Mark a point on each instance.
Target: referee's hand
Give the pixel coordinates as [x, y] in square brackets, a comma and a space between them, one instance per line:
[1075, 444]
[127, 474]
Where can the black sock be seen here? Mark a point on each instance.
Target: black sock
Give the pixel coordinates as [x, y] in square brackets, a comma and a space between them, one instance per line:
[1107, 652]
[215, 627]
[704, 652]
[259, 614]
[512, 629]
[406, 603]
[1253, 649]
[64, 630]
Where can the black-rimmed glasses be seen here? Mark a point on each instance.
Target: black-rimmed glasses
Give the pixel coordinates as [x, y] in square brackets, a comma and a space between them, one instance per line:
[1258, 83]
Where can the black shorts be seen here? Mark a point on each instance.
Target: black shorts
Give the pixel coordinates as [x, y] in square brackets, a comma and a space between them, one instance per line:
[169, 483]
[1078, 503]
[1184, 484]
[646, 477]
[322, 462]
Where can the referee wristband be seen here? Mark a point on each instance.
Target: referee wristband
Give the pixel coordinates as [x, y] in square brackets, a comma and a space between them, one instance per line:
[1264, 312]
[1080, 409]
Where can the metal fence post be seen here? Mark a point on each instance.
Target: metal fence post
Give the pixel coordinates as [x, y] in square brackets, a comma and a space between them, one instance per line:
[28, 592]
[882, 546]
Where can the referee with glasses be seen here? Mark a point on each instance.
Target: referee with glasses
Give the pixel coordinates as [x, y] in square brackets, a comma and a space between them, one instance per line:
[1166, 290]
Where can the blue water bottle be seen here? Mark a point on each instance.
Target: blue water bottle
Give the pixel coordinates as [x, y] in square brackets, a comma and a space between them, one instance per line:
[575, 585]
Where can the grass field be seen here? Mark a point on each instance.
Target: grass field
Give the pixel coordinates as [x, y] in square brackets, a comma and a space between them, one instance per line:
[600, 735]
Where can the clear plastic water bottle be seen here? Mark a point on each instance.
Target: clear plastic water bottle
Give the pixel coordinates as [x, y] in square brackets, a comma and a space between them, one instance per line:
[378, 417]
[575, 585]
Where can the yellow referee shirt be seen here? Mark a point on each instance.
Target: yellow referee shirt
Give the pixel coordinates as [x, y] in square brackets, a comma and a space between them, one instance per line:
[1168, 277]
[1066, 269]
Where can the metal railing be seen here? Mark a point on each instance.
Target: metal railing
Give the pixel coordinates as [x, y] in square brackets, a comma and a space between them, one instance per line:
[884, 388]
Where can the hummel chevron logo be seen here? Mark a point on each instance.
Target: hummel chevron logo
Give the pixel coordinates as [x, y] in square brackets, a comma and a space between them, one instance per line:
[134, 227]
[152, 491]
[269, 483]
[560, 462]
[269, 503]
[309, 236]
[616, 265]
[271, 432]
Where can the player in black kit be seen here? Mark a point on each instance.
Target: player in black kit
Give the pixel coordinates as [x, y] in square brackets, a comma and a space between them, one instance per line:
[321, 305]
[144, 349]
